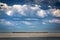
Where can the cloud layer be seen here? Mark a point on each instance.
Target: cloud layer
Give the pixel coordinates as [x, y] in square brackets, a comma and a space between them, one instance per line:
[28, 10]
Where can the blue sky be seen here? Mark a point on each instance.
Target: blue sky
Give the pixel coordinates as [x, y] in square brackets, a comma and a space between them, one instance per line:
[17, 16]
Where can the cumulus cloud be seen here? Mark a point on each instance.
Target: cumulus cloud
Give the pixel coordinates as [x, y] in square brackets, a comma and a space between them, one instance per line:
[24, 10]
[20, 9]
[36, 7]
[9, 13]
[28, 10]
[56, 12]
[3, 6]
[41, 13]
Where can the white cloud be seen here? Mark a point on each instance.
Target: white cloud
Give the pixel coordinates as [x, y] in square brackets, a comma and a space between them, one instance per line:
[41, 13]
[8, 23]
[9, 13]
[4, 22]
[51, 21]
[49, 6]
[31, 19]
[32, 26]
[43, 23]
[54, 21]
[24, 10]
[27, 23]
[36, 7]
[17, 6]
[21, 9]
[3, 6]
[56, 12]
